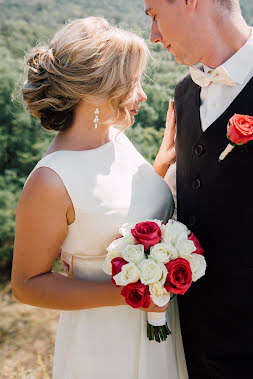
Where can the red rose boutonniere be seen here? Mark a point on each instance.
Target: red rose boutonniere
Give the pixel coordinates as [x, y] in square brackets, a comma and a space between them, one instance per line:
[239, 132]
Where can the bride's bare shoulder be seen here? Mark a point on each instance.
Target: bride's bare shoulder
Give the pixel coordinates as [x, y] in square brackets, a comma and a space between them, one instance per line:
[45, 188]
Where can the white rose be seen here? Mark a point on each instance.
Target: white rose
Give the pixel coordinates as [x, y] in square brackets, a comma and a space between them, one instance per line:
[120, 244]
[151, 271]
[125, 229]
[164, 273]
[134, 253]
[129, 274]
[198, 266]
[163, 252]
[107, 265]
[172, 230]
[184, 246]
[158, 294]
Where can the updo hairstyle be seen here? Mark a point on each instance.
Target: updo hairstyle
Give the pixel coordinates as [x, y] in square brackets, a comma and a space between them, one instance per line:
[87, 60]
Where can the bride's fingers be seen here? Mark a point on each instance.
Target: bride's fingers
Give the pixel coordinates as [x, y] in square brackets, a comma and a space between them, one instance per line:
[155, 308]
[171, 109]
[171, 121]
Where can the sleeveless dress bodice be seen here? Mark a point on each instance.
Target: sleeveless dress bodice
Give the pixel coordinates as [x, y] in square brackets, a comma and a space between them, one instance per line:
[108, 186]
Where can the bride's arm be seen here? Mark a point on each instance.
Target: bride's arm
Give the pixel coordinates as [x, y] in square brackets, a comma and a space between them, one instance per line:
[43, 215]
[167, 155]
[41, 227]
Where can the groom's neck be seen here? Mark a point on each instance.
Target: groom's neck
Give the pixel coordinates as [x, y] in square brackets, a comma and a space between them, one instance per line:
[226, 36]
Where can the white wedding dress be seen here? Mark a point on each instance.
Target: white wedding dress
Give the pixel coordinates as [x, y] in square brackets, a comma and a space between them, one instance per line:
[108, 186]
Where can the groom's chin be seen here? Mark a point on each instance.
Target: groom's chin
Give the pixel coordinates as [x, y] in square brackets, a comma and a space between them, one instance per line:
[186, 60]
[180, 59]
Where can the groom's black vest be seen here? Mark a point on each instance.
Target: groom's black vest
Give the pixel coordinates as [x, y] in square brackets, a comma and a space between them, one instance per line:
[215, 200]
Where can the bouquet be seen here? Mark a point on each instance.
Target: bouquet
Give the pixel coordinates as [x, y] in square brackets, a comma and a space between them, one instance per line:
[151, 261]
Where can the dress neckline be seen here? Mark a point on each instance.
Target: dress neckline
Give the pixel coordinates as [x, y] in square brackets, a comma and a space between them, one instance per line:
[99, 148]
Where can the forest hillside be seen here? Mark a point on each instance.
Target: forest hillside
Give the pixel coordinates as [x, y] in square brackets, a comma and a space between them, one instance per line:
[24, 24]
[27, 333]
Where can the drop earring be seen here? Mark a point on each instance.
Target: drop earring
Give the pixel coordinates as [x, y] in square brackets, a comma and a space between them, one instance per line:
[96, 119]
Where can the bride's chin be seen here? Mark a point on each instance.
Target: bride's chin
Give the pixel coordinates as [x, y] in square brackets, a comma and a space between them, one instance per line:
[132, 121]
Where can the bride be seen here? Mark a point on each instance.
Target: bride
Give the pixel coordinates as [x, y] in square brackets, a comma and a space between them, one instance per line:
[89, 182]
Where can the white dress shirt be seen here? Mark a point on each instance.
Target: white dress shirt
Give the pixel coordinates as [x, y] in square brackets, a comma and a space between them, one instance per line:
[216, 98]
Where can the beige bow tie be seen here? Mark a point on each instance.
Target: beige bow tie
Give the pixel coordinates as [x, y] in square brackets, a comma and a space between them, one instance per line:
[219, 75]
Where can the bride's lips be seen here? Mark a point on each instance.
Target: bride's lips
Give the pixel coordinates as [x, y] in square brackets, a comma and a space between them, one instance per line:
[134, 111]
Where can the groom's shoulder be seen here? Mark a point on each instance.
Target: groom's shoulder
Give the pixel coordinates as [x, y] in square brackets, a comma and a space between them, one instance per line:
[183, 84]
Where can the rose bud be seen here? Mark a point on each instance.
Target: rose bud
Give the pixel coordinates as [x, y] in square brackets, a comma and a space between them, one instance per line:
[117, 264]
[194, 239]
[147, 233]
[136, 295]
[240, 129]
[179, 278]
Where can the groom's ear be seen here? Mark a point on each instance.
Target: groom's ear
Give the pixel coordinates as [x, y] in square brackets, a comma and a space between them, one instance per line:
[191, 4]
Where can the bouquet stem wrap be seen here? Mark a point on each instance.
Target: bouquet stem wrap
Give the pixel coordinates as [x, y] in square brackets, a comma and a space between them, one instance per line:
[157, 328]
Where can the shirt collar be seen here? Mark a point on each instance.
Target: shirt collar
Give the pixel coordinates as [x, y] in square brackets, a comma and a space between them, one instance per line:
[240, 64]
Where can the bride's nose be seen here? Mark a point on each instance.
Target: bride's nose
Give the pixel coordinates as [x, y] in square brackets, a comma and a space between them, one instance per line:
[141, 95]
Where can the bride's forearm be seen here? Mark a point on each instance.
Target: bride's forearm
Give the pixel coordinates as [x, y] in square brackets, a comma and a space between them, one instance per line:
[161, 165]
[55, 291]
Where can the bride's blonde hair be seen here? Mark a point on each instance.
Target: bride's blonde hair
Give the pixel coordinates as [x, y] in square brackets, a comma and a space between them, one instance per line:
[87, 60]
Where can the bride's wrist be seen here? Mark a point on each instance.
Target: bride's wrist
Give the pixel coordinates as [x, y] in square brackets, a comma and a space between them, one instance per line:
[121, 299]
[161, 164]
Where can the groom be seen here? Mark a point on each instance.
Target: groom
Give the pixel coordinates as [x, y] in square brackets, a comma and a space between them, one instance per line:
[214, 198]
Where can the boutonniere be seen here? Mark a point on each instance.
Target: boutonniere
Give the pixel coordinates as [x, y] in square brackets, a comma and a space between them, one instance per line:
[239, 132]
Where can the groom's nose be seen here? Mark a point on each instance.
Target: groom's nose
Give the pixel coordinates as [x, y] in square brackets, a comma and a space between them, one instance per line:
[155, 35]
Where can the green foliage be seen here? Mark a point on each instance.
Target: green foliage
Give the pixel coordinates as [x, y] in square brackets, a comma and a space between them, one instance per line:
[247, 10]
[22, 142]
[24, 24]
[9, 193]
[146, 139]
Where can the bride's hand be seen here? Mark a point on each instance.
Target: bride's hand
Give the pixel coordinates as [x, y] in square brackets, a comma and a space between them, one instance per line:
[167, 153]
[154, 308]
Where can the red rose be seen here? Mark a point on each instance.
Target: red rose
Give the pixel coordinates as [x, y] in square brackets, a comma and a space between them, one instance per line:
[179, 278]
[240, 129]
[117, 264]
[194, 239]
[136, 295]
[147, 233]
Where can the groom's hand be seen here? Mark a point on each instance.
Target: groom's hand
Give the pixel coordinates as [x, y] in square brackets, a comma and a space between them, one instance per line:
[154, 308]
[167, 153]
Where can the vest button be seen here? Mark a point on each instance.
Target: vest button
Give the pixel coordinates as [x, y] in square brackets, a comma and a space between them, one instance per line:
[199, 150]
[196, 184]
[192, 220]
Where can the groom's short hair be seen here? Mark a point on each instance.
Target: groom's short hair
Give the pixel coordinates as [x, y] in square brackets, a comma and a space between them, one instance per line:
[229, 4]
